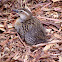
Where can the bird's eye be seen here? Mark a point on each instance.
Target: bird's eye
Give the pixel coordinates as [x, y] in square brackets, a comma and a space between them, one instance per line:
[21, 11]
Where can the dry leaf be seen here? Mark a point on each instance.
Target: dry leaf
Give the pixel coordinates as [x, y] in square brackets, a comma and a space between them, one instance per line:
[16, 56]
[26, 58]
[55, 0]
[47, 47]
[60, 59]
[2, 29]
[10, 26]
[1, 25]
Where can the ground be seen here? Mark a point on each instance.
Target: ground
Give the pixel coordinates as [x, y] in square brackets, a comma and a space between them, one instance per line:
[13, 49]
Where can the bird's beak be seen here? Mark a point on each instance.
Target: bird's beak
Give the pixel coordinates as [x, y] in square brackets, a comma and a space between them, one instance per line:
[15, 11]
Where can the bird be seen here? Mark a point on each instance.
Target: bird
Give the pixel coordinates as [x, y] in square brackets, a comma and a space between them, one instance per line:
[29, 27]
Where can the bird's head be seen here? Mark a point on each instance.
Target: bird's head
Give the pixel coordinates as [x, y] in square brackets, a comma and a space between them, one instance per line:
[24, 14]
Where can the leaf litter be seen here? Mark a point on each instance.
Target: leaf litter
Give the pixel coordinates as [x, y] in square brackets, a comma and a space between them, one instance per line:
[13, 49]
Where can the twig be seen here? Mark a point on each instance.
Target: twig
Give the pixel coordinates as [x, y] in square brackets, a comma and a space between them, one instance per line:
[43, 44]
[49, 23]
[9, 32]
[21, 40]
[3, 43]
[6, 27]
[46, 5]
[58, 20]
[21, 3]
[26, 2]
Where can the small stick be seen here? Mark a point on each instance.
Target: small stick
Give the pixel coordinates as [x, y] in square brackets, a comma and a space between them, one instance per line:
[21, 3]
[21, 41]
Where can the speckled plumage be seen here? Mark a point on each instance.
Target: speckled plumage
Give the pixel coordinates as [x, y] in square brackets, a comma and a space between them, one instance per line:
[30, 29]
